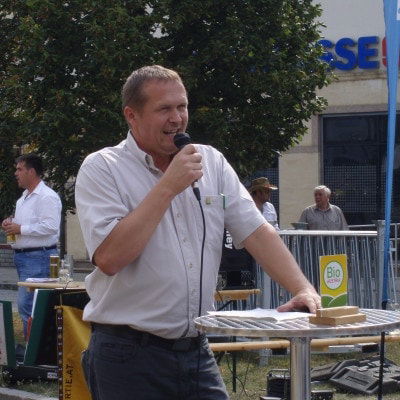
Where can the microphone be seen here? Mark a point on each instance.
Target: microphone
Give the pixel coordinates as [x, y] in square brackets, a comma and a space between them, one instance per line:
[180, 141]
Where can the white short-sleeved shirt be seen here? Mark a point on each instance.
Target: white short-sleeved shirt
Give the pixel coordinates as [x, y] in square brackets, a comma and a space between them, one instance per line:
[270, 215]
[159, 291]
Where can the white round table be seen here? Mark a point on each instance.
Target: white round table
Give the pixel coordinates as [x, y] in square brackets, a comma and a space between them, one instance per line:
[299, 332]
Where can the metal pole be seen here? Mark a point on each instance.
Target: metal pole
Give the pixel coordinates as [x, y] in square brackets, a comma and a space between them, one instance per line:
[300, 376]
[380, 227]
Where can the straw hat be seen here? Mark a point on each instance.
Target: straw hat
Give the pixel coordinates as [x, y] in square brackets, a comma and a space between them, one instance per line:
[261, 183]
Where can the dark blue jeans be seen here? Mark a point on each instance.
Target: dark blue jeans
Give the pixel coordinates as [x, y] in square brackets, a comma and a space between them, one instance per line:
[128, 369]
[32, 264]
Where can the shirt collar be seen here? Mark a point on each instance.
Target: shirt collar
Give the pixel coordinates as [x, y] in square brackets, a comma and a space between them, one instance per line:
[143, 157]
[39, 187]
[318, 209]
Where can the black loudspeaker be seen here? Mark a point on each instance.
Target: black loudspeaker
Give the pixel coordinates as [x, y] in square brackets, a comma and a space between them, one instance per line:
[278, 383]
[237, 268]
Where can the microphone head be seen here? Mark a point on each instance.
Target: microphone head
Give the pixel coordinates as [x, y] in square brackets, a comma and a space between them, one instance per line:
[181, 140]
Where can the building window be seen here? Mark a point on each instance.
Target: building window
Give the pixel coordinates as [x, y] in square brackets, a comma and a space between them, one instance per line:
[354, 165]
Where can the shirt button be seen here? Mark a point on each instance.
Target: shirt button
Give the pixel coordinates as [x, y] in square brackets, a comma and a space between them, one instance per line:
[184, 240]
[190, 265]
[178, 215]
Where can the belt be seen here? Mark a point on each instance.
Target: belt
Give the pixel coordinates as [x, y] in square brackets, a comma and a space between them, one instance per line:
[145, 338]
[28, 249]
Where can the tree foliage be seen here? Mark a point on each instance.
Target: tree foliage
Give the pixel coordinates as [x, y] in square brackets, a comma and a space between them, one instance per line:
[250, 66]
[66, 62]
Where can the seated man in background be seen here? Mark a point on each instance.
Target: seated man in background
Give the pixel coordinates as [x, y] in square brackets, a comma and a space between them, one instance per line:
[323, 215]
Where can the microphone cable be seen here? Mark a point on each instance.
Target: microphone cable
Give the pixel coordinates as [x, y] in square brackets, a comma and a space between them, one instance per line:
[181, 140]
[202, 257]
[200, 287]
[201, 280]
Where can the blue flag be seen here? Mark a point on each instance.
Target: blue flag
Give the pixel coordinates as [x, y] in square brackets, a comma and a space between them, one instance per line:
[392, 28]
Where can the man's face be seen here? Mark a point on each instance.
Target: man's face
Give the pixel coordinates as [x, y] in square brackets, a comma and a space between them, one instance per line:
[162, 116]
[266, 193]
[23, 175]
[262, 195]
[321, 199]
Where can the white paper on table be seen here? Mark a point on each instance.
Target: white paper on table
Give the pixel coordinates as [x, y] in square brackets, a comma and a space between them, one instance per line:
[261, 313]
[41, 280]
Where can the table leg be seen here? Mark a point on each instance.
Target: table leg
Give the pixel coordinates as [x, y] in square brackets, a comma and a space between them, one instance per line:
[300, 377]
[234, 360]
[234, 373]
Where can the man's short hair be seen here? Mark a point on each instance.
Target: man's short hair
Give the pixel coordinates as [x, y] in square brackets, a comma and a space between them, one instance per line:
[324, 189]
[132, 91]
[31, 160]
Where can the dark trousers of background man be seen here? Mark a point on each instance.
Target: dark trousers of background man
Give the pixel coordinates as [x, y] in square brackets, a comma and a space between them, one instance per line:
[30, 264]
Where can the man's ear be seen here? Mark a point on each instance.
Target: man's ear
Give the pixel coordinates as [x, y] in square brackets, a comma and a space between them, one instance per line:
[130, 115]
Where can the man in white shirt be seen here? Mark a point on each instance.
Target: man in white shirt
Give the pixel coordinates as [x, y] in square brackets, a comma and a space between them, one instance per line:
[36, 225]
[260, 190]
[143, 228]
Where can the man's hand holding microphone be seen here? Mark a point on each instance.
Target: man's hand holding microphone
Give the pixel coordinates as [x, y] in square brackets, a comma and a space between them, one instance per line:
[185, 168]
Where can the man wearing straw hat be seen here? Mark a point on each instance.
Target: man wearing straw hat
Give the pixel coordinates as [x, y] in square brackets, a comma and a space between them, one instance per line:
[260, 190]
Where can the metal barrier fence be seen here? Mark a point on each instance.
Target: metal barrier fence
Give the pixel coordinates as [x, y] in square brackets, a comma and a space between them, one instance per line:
[361, 248]
[379, 226]
[364, 250]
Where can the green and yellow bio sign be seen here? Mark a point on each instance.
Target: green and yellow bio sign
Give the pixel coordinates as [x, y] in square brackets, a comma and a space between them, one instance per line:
[333, 280]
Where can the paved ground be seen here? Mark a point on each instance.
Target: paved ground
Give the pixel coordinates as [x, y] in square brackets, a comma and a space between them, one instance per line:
[13, 394]
[8, 287]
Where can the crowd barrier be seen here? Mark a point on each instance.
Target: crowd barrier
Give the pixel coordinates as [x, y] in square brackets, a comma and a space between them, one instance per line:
[364, 250]
[361, 248]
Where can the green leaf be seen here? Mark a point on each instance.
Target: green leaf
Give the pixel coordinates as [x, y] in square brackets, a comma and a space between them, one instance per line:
[326, 300]
[339, 301]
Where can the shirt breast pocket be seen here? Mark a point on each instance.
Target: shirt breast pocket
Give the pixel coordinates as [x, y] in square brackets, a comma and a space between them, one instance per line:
[334, 218]
[213, 209]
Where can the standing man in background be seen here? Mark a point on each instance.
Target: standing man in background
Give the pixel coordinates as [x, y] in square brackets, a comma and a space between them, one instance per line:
[260, 190]
[143, 229]
[36, 225]
[323, 215]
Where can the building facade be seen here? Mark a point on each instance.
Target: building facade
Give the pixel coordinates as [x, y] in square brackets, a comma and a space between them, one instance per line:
[345, 147]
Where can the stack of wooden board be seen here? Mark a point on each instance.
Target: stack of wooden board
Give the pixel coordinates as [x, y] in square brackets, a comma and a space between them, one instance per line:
[337, 316]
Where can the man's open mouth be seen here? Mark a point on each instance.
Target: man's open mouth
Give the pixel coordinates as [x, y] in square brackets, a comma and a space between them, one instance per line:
[174, 132]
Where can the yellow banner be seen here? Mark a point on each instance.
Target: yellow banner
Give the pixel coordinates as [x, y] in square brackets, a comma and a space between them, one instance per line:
[333, 280]
[73, 338]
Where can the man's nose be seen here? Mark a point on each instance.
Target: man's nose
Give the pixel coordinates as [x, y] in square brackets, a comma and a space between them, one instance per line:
[175, 116]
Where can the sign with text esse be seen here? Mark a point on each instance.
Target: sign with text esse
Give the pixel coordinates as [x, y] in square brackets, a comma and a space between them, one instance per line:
[348, 54]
